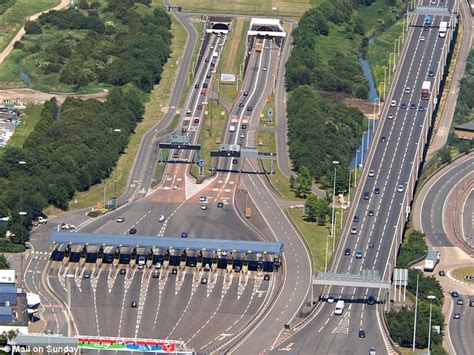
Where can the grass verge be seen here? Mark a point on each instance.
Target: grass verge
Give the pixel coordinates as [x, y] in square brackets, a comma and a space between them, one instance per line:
[10, 71]
[462, 272]
[154, 110]
[315, 236]
[27, 125]
[265, 120]
[15, 17]
[210, 135]
[263, 7]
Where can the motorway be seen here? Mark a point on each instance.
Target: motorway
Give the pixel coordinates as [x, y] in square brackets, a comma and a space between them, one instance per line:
[392, 163]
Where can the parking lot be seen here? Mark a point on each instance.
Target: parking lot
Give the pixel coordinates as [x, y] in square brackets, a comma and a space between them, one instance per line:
[10, 118]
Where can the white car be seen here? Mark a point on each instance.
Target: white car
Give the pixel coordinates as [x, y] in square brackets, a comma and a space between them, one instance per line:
[371, 173]
[207, 267]
[175, 187]
[353, 230]
[203, 207]
[393, 103]
[264, 68]
[158, 265]
[161, 219]
[202, 199]
[422, 38]
[400, 188]
[67, 227]
[120, 219]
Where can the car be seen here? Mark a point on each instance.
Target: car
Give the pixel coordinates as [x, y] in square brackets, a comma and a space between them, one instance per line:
[204, 281]
[155, 274]
[87, 274]
[196, 119]
[242, 135]
[353, 230]
[422, 38]
[244, 126]
[184, 129]
[175, 155]
[207, 267]
[371, 300]
[361, 333]
[371, 245]
[174, 271]
[141, 261]
[203, 198]
[132, 231]
[196, 86]
[403, 106]
[120, 219]
[460, 302]
[208, 75]
[413, 106]
[382, 139]
[330, 299]
[454, 294]
[358, 254]
[134, 304]
[347, 251]
[199, 107]
[161, 219]
[122, 271]
[220, 204]
[366, 195]
[370, 213]
[188, 111]
[431, 73]
[158, 265]
[376, 191]
[241, 104]
[264, 68]
[390, 116]
[237, 268]
[456, 315]
[203, 92]
[400, 188]
[371, 173]
[355, 219]
[223, 253]
[471, 303]
[234, 161]
[184, 235]
[175, 187]
[246, 93]
[249, 109]
[421, 108]
[393, 103]
[372, 351]
[206, 60]
[67, 227]
[204, 85]
[442, 273]
[266, 277]
[407, 90]
[203, 207]
[213, 65]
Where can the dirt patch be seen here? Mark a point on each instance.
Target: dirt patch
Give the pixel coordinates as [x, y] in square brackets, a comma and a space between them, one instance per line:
[27, 96]
[365, 106]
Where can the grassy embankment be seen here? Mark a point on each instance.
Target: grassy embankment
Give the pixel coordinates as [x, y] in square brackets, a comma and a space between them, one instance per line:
[294, 8]
[153, 113]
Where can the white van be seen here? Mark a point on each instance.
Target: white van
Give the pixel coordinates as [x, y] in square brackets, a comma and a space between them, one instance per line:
[215, 54]
[232, 128]
[339, 308]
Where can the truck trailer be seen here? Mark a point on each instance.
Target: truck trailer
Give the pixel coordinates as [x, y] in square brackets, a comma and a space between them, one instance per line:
[443, 27]
[431, 260]
[426, 90]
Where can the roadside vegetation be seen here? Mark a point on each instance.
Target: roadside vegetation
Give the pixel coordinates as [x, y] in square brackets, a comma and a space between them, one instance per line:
[401, 320]
[327, 44]
[249, 7]
[76, 145]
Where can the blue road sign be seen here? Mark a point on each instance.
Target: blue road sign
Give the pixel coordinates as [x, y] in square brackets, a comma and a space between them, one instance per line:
[270, 112]
[201, 163]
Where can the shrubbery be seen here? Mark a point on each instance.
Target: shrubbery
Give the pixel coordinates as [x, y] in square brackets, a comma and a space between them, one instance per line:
[413, 248]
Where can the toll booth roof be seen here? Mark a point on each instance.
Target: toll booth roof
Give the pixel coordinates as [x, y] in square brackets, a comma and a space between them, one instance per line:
[148, 241]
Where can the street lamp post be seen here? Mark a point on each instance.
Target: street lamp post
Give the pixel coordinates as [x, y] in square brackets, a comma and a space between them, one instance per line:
[416, 313]
[22, 213]
[333, 229]
[116, 130]
[431, 298]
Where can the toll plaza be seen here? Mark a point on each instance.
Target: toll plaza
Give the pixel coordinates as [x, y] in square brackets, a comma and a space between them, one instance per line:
[117, 249]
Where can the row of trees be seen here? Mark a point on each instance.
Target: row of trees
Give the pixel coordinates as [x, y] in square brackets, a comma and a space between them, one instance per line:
[114, 45]
[72, 148]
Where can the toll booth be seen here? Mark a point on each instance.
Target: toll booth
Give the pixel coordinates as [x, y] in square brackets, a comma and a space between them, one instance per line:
[125, 255]
[108, 255]
[75, 253]
[191, 258]
[91, 253]
[158, 256]
[174, 257]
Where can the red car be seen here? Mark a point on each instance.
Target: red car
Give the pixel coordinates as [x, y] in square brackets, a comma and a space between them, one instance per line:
[203, 92]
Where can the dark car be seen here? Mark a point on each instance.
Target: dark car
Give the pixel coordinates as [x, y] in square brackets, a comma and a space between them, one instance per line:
[442, 273]
[421, 108]
[199, 107]
[208, 75]
[376, 191]
[456, 315]
[370, 213]
[204, 280]
[206, 60]
[184, 235]
[196, 120]
[132, 231]
[244, 126]
[366, 195]
[123, 271]
[249, 109]
[361, 333]
[355, 219]
[454, 294]
[246, 93]
[413, 106]
[471, 303]
[220, 204]
[266, 277]
[184, 129]
[234, 161]
[196, 86]
[371, 300]
[382, 139]
[347, 251]
[431, 73]
[241, 104]
[403, 106]
[204, 85]
[134, 304]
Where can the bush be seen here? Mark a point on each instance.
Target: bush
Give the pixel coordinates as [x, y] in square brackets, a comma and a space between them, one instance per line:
[413, 249]
[32, 28]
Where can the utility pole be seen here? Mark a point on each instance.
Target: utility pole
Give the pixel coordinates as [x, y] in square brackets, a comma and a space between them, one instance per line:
[333, 229]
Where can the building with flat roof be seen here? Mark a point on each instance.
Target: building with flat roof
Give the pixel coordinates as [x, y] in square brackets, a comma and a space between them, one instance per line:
[465, 130]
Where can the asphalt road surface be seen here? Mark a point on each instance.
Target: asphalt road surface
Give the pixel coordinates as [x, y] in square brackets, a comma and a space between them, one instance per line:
[461, 329]
[392, 165]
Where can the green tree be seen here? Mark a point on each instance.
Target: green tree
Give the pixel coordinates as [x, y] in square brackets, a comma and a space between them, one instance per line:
[444, 155]
[292, 182]
[32, 28]
[322, 208]
[4, 264]
[303, 182]
[311, 207]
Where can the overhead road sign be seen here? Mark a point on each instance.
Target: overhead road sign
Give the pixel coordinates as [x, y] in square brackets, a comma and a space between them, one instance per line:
[148, 241]
[368, 279]
[226, 153]
[183, 146]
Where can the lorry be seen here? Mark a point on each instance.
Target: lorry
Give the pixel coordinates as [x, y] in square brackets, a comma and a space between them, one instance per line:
[431, 260]
[258, 47]
[426, 89]
[339, 308]
[443, 27]
[215, 54]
